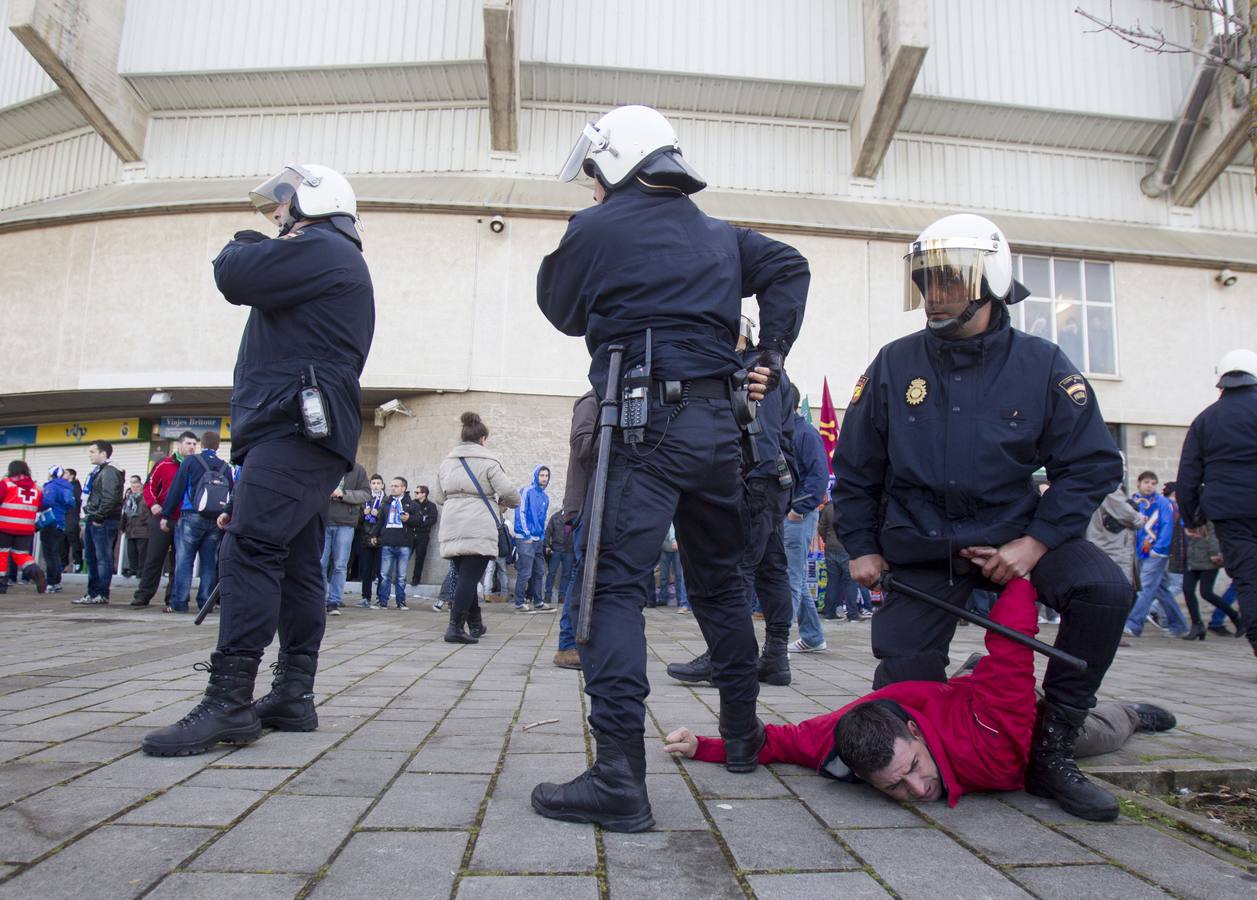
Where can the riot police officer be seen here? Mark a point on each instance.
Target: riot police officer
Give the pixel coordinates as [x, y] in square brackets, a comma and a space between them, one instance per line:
[645, 257]
[934, 483]
[1217, 478]
[295, 427]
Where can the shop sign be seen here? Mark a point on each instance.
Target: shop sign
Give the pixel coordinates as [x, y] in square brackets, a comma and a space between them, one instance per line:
[170, 427]
[112, 430]
[17, 435]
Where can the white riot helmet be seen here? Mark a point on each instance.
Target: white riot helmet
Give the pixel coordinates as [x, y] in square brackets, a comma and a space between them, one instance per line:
[629, 141]
[1237, 369]
[308, 192]
[962, 254]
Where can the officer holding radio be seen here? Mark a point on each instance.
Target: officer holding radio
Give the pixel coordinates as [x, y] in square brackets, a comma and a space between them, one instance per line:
[295, 427]
[644, 268]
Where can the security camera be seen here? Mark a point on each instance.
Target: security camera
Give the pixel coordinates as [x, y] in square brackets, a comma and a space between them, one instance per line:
[391, 406]
[497, 224]
[1226, 278]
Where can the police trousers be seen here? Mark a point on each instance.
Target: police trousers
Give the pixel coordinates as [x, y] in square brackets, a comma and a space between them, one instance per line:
[1076, 579]
[269, 570]
[687, 471]
[765, 569]
[1238, 538]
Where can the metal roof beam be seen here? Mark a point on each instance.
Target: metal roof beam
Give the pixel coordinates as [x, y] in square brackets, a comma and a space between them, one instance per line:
[502, 57]
[896, 38]
[77, 45]
[1218, 139]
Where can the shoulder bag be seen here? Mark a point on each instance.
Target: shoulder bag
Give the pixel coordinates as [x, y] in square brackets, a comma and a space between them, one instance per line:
[506, 541]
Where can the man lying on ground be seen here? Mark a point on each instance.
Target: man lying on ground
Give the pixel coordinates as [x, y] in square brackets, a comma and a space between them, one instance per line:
[923, 740]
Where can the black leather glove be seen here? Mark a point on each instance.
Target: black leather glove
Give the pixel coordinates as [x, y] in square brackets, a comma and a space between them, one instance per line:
[771, 355]
[249, 236]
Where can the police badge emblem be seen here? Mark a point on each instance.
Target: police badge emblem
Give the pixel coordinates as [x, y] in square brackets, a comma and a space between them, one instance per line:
[1075, 386]
[915, 395]
[859, 389]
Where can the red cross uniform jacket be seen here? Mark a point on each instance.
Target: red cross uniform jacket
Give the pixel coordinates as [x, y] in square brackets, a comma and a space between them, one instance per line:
[20, 499]
[977, 727]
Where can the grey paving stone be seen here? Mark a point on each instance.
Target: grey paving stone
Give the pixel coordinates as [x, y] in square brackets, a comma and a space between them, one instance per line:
[714, 780]
[219, 885]
[20, 778]
[13, 749]
[417, 800]
[514, 839]
[152, 772]
[673, 804]
[1169, 862]
[350, 773]
[1044, 810]
[113, 861]
[492, 727]
[951, 870]
[444, 758]
[37, 824]
[284, 834]
[1004, 835]
[526, 887]
[395, 864]
[817, 886]
[1072, 882]
[187, 805]
[402, 736]
[248, 779]
[520, 774]
[64, 727]
[844, 805]
[760, 831]
[669, 864]
[285, 749]
[80, 750]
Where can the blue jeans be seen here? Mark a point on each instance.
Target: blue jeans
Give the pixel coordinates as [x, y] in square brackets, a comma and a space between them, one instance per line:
[337, 540]
[670, 562]
[195, 535]
[567, 632]
[1219, 617]
[1156, 585]
[530, 573]
[844, 587]
[559, 570]
[98, 538]
[393, 567]
[797, 537]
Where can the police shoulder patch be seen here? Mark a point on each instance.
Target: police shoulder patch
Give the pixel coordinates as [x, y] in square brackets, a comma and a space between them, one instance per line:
[859, 389]
[1075, 387]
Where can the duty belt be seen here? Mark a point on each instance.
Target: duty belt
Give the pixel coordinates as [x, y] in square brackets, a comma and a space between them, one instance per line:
[704, 388]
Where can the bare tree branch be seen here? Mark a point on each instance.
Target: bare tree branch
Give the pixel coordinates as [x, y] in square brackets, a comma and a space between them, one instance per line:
[1154, 40]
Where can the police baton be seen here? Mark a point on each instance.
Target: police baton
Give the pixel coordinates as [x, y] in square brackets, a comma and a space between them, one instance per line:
[209, 604]
[892, 584]
[607, 417]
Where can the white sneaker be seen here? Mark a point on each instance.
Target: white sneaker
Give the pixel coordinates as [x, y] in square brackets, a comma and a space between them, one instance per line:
[801, 646]
[438, 606]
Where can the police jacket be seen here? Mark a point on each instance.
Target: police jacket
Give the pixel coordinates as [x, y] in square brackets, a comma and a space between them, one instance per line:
[776, 434]
[941, 438]
[809, 457]
[1215, 473]
[312, 306]
[649, 258]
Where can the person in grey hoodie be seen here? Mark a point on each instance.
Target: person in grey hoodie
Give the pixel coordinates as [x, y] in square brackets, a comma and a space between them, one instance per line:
[344, 509]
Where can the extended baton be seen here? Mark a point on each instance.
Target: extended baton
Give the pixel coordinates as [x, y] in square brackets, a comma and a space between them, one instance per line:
[891, 583]
[606, 423]
[209, 604]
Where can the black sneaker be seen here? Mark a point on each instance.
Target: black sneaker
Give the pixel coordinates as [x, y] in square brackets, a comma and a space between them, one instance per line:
[1152, 718]
[401, 604]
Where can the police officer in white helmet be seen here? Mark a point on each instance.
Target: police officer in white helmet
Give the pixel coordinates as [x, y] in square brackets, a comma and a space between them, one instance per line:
[295, 427]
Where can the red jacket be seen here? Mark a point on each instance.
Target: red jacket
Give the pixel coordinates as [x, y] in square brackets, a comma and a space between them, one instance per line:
[159, 482]
[977, 727]
[20, 499]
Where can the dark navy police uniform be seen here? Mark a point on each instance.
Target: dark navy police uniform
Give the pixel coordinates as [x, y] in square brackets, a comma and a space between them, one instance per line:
[312, 305]
[936, 453]
[651, 259]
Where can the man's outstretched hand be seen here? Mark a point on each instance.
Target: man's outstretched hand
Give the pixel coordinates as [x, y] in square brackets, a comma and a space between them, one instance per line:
[1016, 559]
[682, 741]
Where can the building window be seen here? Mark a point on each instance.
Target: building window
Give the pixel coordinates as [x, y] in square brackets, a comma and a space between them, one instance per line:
[1070, 304]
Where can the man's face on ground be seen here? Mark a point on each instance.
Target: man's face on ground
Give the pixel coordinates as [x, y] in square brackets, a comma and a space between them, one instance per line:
[397, 487]
[543, 477]
[1147, 486]
[377, 485]
[912, 776]
[187, 446]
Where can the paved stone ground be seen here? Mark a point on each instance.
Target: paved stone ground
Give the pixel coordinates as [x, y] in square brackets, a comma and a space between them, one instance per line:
[416, 783]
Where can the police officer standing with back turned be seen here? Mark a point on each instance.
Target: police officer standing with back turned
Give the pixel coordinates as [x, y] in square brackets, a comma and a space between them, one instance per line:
[1217, 478]
[644, 257]
[295, 427]
[934, 483]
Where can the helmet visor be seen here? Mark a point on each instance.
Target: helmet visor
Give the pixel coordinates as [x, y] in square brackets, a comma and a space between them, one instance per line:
[575, 159]
[940, 273]
[275, 192]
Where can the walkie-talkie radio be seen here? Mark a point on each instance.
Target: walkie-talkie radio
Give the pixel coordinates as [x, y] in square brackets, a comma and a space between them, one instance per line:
[314, 418]
[635, 400]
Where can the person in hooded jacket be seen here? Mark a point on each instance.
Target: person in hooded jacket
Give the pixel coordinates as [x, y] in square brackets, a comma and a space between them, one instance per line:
[20, 503]
[530, 532]
[59, 500]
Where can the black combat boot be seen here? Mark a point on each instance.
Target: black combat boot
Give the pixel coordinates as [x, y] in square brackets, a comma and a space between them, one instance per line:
[456, 632]
[34, 573]
[475, 622]
[696, 671]
[1052, 771]
[743, 739]
[774, 662]
[610, 793]
[290, 704]
[224, 714]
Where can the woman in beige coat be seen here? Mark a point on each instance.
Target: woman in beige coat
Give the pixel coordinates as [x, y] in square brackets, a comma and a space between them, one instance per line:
[468, 533]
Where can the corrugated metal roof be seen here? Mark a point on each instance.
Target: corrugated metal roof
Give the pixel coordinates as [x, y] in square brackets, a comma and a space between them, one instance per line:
[891, 221]
[45, 117]
[1230, 203]
[21, 78]
[193, 36]
[789, 40]
[72, 162]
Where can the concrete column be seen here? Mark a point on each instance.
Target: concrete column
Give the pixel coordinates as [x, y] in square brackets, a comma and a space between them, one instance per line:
[896, 37]
[76, 42]
[1218, 139]
[502, 57]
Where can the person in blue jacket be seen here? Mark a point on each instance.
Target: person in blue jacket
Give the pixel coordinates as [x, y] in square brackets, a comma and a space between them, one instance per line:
[810, 492]
[1152, 547]
[59, 498]
[645, 257]
[295, 416]
[934, 474]
[531, 517]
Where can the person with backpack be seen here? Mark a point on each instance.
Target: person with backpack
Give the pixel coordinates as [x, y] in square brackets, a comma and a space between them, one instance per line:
[199, 495]
[161, 542]
[59, 502]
